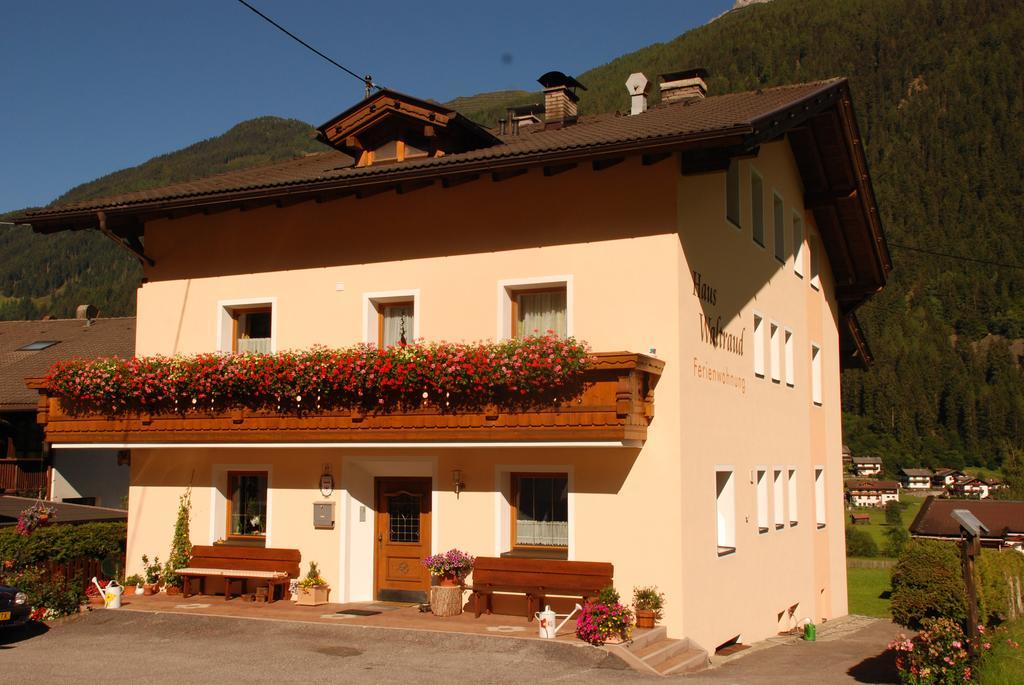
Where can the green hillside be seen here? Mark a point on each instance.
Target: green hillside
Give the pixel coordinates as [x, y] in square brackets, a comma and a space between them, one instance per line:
[937, 88]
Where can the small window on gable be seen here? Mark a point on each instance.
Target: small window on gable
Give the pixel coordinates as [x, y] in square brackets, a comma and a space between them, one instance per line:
[757, 207]
[732, 193]
[758, 345]
[536, 311]
[251, 329]
[725, 503]
[779, 226]
[396, 322]
[798, 245]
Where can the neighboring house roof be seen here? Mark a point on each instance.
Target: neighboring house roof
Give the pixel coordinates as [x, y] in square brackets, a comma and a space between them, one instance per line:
[11, 507]
[921, 473]
[942, 473]
[113, 337]
[871, 485]
[1003, 518]
[867, 461]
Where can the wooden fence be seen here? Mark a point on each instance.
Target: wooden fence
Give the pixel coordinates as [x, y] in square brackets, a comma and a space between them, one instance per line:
[28, 477]
[79, 572]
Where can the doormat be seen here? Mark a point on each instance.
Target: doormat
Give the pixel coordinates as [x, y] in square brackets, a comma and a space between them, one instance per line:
[358, 612]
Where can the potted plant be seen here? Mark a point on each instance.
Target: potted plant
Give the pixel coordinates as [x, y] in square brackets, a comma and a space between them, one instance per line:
[152, 572]
[313, 589]
[648, 603]
[601, 623]
[450, 568]
[38, 514]
[134, 583]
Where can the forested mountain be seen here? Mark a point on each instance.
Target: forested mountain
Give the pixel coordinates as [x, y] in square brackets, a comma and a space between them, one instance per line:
[937, 87]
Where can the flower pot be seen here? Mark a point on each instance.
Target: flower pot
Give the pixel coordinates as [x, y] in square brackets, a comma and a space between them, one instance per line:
[312, 596]
[150, 589]
[139, 589]
[645, 618]
[172, 590]
[448, 580]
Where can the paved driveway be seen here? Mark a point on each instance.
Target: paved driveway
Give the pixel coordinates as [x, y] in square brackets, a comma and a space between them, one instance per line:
[133, 647]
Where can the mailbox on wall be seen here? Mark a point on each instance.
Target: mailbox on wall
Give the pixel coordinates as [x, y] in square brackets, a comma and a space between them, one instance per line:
[323, 515]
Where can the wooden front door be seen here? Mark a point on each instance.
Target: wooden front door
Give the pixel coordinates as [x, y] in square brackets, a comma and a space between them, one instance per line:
[403, 539]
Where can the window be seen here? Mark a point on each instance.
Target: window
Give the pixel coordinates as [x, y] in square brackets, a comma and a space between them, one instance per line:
[790, 371]
[732, 193]
[819, 495]
[798, 245]
[396, 323]
[251, 329]
[247, 504]
[758, 345]
[540, 510]
[776, 359]
[537, 311]
[37, 345]
[779, 503]
[816, 374]
[812, 246]
[762, 500]
[757, 207]
[778, 225]
[725, 499]
[792, 497]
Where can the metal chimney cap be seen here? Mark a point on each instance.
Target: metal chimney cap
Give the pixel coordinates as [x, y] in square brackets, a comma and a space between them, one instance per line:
[637, 84]
[554, 79]
[699, 72]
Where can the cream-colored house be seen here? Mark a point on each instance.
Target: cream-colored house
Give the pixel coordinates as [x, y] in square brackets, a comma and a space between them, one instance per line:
[711, 250]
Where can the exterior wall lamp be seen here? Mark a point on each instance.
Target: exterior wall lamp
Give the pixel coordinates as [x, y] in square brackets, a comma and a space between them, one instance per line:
[457, 482]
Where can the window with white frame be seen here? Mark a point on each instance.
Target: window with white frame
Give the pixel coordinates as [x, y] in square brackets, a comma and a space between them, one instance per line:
[758, 345]
[776, 352]
[392, 317]
[536, 307]
[816, 374]
[779, 226]
[540, 511]
[778, 500]
[819, 495]
[247, 326]
[761, 485]
[790, 371]
[812, 247]
[757, 207]
[793, 514]
[732, 193]
[725, 502]
[798, 245]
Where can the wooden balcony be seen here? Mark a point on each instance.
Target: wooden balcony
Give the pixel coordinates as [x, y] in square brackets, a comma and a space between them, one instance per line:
[616, 407]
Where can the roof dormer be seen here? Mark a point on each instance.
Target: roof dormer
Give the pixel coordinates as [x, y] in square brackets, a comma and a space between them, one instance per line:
[390, 127]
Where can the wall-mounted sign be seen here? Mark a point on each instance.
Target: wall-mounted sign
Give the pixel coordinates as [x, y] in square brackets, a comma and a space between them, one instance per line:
[711, 330]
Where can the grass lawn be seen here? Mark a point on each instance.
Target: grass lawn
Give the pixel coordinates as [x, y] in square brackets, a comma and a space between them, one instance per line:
[1004, 665]
[876, 529]
[865, 587]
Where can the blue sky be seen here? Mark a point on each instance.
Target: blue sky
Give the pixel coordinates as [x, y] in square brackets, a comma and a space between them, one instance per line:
[92, 87]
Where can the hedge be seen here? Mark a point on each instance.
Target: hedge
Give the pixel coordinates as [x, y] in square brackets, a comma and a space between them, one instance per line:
[64, 542]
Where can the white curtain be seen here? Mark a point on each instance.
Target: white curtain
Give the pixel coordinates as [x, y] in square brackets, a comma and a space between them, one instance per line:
[255, 345]
[394, 315]
[541, 312]
[548, 533]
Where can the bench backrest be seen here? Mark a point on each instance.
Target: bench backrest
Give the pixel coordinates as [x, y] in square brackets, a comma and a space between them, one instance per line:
[246, 558]
[550, 574]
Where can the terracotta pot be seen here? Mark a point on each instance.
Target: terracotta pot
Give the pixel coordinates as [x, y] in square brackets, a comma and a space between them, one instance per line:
[173, 590]
[43, 518]
[448, 580]
[645, 618]
[150, 589]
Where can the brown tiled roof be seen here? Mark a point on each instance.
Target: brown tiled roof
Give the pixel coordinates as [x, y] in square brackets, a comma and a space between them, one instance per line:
[917, 472]
[104, 338]
[872, 485]
[737, 113]
[867, 460]
[1001, 517]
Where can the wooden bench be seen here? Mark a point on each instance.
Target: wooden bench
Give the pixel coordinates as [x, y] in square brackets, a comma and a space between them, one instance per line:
[537, 578]
[275, 567]
[860, 518]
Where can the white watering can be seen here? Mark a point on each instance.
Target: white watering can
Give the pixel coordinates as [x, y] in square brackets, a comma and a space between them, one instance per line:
[546, 619]
[111, 594]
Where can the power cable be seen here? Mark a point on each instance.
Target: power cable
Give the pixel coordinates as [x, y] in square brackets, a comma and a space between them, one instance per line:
[935, 253]
[366, 80]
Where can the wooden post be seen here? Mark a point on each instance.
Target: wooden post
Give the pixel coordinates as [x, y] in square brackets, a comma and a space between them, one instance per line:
[970, 546]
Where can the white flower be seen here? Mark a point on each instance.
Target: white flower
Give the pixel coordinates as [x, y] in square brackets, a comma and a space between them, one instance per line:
[425, 395]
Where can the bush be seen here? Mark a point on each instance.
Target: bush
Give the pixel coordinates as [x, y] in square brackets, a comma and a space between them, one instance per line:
[927, 583]
[598, 623]
[898, 537]
[49, 596]
[894, 513]
[994, 568]
[859, 543]
[1004, 664]
[938, 654]
[63, 543]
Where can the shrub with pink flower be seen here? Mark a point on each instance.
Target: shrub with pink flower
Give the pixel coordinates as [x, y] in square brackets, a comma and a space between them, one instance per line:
[454, 563]
[938, 655]
[598, 623]
[531, 372]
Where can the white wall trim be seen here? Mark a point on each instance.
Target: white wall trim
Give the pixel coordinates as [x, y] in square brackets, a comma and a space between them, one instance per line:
[504, 309]
[372, 299]
[223, 324]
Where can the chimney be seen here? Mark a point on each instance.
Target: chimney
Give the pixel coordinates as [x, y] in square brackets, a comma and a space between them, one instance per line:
[637, 85]
[87, 313]
[560, 99]
[684, 85]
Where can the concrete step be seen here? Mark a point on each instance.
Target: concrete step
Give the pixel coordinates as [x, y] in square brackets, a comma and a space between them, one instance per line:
[643, 637]
[661, 651]
[687, 661]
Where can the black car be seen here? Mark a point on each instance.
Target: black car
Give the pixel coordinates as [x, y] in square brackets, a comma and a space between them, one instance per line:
[14, 608]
